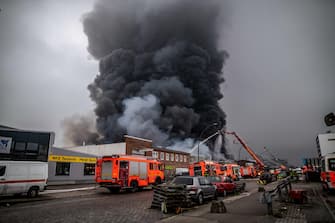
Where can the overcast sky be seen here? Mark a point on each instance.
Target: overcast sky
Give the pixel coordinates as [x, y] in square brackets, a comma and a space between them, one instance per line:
[279, 76]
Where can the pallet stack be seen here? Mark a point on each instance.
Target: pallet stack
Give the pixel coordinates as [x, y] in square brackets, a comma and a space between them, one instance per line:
[171, 197]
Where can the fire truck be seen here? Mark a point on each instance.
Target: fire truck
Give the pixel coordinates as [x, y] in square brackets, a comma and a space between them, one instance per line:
[326, 150]
[206, 168]
[128, 172]
[248, 171]
[232, 170]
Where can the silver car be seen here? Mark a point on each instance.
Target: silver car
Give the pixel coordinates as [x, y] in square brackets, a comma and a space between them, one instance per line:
[199, 187]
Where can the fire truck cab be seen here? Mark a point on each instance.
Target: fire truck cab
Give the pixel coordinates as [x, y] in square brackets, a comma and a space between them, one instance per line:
[128, 172]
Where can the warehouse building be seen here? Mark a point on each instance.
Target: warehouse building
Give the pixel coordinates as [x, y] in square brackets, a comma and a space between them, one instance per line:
[77, 164]
[68, 167]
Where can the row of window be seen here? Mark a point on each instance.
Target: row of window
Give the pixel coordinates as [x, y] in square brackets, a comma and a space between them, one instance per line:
[63, 169]
[169, 156]
[27, 151]
[26, 145]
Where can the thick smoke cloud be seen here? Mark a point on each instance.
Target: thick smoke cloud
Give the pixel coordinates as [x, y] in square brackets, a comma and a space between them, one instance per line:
[160, 69]
[80, 130]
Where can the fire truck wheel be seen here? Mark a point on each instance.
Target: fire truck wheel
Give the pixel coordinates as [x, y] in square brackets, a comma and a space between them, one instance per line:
[158, 181]
[200, 199]
[134, 186]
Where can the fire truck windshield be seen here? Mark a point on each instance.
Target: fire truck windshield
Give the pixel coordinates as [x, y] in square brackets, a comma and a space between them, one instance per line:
[331, 163]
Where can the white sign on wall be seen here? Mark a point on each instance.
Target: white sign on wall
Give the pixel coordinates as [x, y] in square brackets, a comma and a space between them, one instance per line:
[5, 144]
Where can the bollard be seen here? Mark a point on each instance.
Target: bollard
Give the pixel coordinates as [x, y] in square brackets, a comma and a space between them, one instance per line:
[218, 207]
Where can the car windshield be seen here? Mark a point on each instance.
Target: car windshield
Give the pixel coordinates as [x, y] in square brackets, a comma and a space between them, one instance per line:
[214, 179]
[183, 180]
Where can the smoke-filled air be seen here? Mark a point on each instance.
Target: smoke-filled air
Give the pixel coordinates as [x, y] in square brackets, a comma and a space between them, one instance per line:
[159, 69]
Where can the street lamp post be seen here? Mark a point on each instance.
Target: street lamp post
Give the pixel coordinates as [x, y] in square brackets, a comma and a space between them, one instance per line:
[213, 124]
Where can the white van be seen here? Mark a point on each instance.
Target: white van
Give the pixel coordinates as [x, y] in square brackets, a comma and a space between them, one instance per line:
[23, 177]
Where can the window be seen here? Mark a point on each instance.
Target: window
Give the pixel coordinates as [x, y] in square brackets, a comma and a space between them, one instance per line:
[197, 171]
[185, 158]
[160, 167]
[323, 167]
[2, 171]
[331, 163]
[89, 169]
[154, 154]
[172, 156]
[183, 180]
[161, 156]
[202, 181]
[62, 169]
[167, 156]
[20, 146]
[223, 168]
[177, 158]
[32, 147]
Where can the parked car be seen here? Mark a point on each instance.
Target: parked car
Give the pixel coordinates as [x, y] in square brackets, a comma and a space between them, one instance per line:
[198, 187]
[223, 184]
[298, 174]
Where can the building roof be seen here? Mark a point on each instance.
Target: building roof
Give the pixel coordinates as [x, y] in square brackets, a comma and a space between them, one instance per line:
[170, 150]
[137, 138]
[6, 127]
[101, 149]
[66, 152]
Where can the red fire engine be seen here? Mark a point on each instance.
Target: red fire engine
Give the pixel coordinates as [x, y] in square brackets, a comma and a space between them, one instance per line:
[248, 171]
[128, 172]
[232, 170]
[206, 168]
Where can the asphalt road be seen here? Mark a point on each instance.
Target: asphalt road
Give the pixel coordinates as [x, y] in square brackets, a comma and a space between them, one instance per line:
[97, 205]
[84, 206]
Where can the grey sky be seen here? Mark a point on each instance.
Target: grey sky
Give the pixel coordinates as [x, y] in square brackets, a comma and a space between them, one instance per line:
[279, 77]
[44, 64]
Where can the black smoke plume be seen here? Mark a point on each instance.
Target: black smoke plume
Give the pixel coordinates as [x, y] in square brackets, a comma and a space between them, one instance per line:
[79, 130]
[160, 68]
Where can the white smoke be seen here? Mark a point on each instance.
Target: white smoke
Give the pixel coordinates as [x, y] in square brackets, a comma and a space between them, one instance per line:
[139, 118]
[190, 145]
[217, 155]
